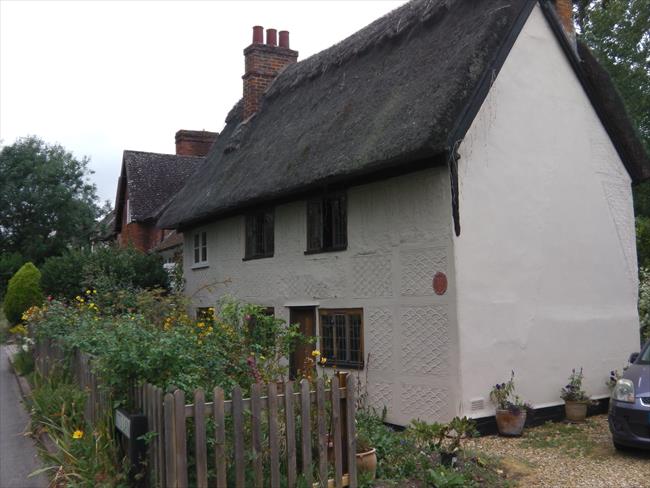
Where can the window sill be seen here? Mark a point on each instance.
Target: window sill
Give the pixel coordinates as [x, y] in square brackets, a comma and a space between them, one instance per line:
[252, 258]
[342, 364]
[329, 249]
[200, 265]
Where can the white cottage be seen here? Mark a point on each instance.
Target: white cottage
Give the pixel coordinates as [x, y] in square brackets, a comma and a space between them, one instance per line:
[440, 198]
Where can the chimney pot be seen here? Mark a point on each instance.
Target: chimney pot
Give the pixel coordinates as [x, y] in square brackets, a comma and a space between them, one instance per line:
[284, 39]
[272, 37]
[258, 34]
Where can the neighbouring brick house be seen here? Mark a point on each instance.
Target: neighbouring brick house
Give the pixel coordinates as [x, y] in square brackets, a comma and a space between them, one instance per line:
[147, 183]
[440, 198]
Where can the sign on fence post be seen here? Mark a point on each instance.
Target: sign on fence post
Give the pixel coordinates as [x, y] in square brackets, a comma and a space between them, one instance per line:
[130, 429]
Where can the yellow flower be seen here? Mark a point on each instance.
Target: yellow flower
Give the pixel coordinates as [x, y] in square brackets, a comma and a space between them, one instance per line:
[78, 434]
[94, 292]
[315, 353]
[200, 325]
[88, 292]
[323, 360]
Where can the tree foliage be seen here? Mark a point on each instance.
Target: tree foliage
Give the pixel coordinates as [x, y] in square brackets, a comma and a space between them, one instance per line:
[23, 292]
[46, 201]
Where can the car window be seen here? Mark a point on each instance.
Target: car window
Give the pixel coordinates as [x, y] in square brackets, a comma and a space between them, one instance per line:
[645, 355]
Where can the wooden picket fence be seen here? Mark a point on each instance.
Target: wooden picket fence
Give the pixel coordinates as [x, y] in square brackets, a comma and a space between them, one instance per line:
[272, 405]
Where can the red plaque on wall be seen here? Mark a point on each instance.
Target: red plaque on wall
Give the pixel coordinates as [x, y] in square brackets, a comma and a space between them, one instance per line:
[440, 283]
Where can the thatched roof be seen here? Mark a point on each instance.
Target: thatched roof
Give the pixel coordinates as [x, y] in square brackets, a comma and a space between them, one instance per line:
[151, 180]
[387, 98]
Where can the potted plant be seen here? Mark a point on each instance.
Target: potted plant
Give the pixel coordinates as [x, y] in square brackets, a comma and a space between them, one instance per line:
[575, 398]
[366, 456]
[510, 409]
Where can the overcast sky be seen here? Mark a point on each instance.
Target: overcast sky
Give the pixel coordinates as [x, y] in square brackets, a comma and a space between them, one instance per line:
[100, 77]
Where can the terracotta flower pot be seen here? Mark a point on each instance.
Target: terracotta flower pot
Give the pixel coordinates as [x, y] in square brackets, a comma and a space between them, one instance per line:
[510, 423]
[576, 411]
[367, 462]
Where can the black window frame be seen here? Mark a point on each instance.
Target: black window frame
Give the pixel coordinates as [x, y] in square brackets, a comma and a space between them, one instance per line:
[327, 223]
[331, 340]
[200, 248]
[260, 234]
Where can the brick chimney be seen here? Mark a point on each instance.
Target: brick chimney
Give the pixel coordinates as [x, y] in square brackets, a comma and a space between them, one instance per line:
[264, 61]
[194, 142]
[564, 10]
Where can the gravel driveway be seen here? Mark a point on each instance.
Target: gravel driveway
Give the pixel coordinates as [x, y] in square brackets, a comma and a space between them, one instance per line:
[562, 455]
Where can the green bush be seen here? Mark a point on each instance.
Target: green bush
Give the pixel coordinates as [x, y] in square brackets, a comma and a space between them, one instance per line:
[23, 292]
[62, 276]
[107, 269]
[9, 264]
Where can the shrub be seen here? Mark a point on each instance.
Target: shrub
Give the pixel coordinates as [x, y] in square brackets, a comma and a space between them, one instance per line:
[62, 276]
[109, 269]
[9, 264]
[23, 292]
[112, 268]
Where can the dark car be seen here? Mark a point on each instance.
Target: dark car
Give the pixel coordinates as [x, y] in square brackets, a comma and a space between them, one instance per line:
[629, 406]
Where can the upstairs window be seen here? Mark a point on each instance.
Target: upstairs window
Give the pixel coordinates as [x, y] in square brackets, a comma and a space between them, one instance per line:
[341, 337]
[327, 224]
[201, 248]
[259, 234]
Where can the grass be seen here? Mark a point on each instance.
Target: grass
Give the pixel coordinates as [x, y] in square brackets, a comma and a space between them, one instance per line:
[575, 439]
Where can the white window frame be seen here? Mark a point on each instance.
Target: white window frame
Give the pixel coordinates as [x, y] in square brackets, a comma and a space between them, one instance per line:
[200, 249]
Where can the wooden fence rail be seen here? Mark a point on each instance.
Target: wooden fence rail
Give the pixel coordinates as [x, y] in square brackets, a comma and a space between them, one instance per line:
[326, 429]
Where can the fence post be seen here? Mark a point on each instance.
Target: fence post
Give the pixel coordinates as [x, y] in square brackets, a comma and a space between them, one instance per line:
[350, 391]
[256, 434]
[180, 438]
[322, 433]
[305, 427]
[200, 439]
[170, 441]
[238, 438]
[291, 434]
[343, 383]
[220, 436]
[159, 441]
[274, 440]
[336, 423]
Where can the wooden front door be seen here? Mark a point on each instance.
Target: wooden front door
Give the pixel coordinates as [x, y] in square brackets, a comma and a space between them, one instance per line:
[306, 317]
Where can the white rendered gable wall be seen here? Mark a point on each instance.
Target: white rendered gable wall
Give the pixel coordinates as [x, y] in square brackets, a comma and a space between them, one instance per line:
[546, 260]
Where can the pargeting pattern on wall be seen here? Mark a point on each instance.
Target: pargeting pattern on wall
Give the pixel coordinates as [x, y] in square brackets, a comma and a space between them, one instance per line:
[380, 395]
[423, 401]
[619, 200]
[425, 337]
[371, 275]
[324, 278]
[418, 268]
[379, 330]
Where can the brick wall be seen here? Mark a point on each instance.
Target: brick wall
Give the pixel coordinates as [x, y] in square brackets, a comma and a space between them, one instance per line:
[142, 236]
[194, 142]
